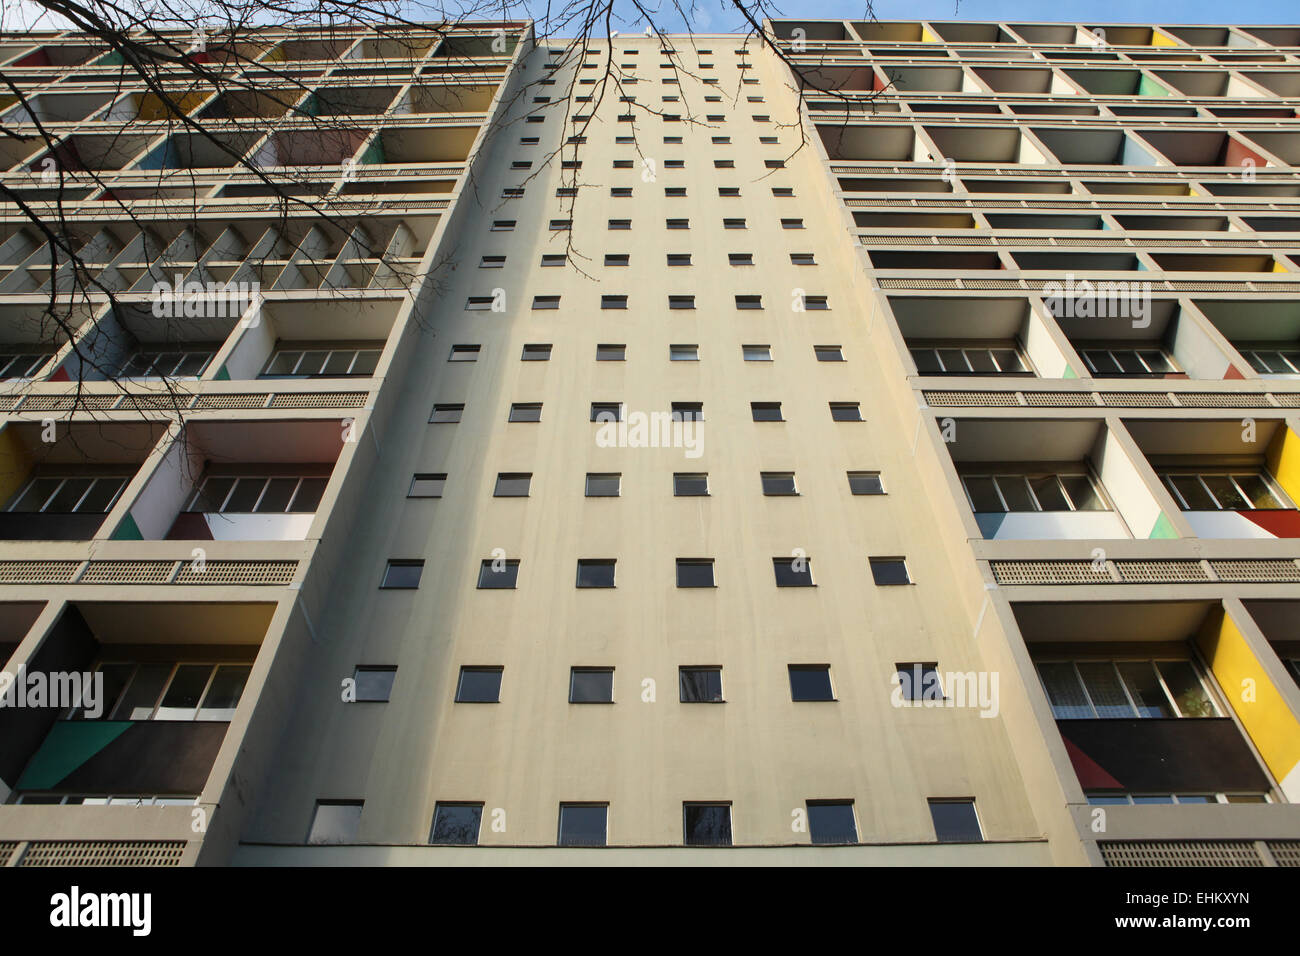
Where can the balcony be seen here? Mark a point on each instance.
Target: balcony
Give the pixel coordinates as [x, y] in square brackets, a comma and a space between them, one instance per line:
[311, 339]
[977, 338]
[1265, 333]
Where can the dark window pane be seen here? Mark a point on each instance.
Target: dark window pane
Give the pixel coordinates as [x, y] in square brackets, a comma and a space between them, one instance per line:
[694, 573]
[865, 483]
[446, 414]
[1194, 496]
[810, 682]
[1015, 490]
[479, 685]
[498, 573]
[793, 572]
[182, 698]
[101, 495]
[1048, 492]
[309, 494]
[955, 821]
[591, 685]
[832, 822]
[596, 573]
[456, 824]
[707, 824]
[511, 485]
[1186, 689]
[1223, 489]
[685, 485]
[68, 496]
[374, 683]
[279, 492]
[602, 486]
[223, 694]
[766, 411]
[700, 684]
[142, 694]
[526, 412]
[844, 412]
[778, 483]
[919, 682]
[1083, 495]
[1064, 692]
[582, 825]
[115, 680]
[403, 574]
[1102, 683]
[245, 495]
[427, 486]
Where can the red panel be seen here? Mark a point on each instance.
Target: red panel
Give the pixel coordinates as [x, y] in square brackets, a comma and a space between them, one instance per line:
[1092, 776]
[1283, 523]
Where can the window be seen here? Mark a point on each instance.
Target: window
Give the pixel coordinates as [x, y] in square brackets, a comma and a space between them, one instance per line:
[793, 572]
[688, 411]
[595, 573]
[845, 412]
[1266, 361]
[601, 485]
[546, 302]
[683, 353]
[51, 493]
[865, 483]
[503, 225]
[740, 258]
[402, 574]
[373, 684]
[321, 363]
[831, 822]
[536, 353]
[551, 260]
[335, 821]
[1135, 362]
[492, 262]
[783, 192]
[622, 164]
[791, 223]
[756, 353]
[722, 141]
[678, 224]
[525, 412]
[672, 141]
[583, 824]
[446, 414]
[167, 690]
[765, 140]
[620, 192]
[675, 192]
[690, 484]
[521, 164]
[802, 259]
[733, 224]
[919, 681]
[511, 484]
[815, 303]
[749, 302]
[617, 260]
[1102, 689]
[566, 192]
[610, 353]
[700, 685]
[828, 353]
[620, 224]
[724, 164]
[464, 353]
[591, 685]
[613, 302]
[887, 571]
[498, 574]
[426, 485]
[149, 363]
[1223, 491]
[706, 824]
[607, 411]
[766, 411]
[974, 360]
[681, 302]
[955, 821]
[1033, 492]
[479, 685]
[679, 258]
[778, 483]
[23, 364]
[810, 682]
[528, 140]
[695, 572]
[512, 192]
[456, 824]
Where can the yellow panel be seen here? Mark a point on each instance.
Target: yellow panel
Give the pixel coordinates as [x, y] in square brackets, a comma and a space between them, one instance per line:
[1284, 462]
[1159, 39]
[1278, 267]
[1268, 721]
[15, 464]
[927, 36]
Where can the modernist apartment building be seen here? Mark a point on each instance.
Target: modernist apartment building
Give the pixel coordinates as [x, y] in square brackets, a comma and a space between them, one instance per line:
[886, 450]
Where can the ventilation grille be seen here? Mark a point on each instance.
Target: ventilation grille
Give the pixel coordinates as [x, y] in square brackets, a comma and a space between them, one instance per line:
[103, 853]
[1049, 572]
[37, 572]
[7, 852]
[1129, 853]
[1144, 571]
[66, 403]
[1141, 572]
[1136, 400]
[162, 571]
[1287, 401]
[176, 402]
[1285, 852]
[990, 284]
[917, 283]
[237, 572]
[1221, 400]
[320, 400]
[1059, 398]
[1263, 570]
[127, 572]
[230, 401]
[970, 398]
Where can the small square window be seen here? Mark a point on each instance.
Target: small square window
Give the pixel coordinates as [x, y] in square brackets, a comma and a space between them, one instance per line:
[591, 685]
[865, 483]
[724, 164]
[733, 224]
[427, 486]
[402, 574]
[335, 821]
[793, 572]
[479, 685]
[722, 141]
[503, 225]
[774, 163]
[498, 574]
[756, 353]
[690, 484]
[611, 353]
[675, 192]
[492, 262]
[885, 571]
[815, 303]
[683, 353]
[828, 353]
[740, 258]
[749, 302]
[478, 303]
[681, 302]
[603, 485]
[766, 411]
[617, 260]
[546, 302]
[446, 414]
[776, 483]
[620, 224]
[802, 259]
[765, 140]
[583, 824]
[688, 411]
[700, 685]
[955, 821]
[621, 192]
[695, 572]
[512, 484]
[672, 141]
[464, 353]
[831, 822]
[729, 192]
[679, 258]
[512, 192]
[607, 411]
[536, 353]
[622, 164]
[918, 681]
[456, 824]
[551, 260]
[783, 192]
[525, 412]
[521, 164]
[846, 412]
[595, 572]
[706, 824]
[613, 302]
[678, 223]
[791, 223]
[811, 682]
[373, 684]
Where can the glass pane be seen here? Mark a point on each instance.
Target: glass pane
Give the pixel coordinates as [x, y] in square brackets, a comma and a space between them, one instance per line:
[1257, 491]
[832, 823]
[1229, 498]
[981, 360]
[479, 685]
[1016, 492]
[1103, 686]
[374, 683]
[1009, 360]
[366, 362]
[865, 484]
[1082, 493]
[1101, 362]
[456, 824]
[247, 491]
[340, 362]
[927, 362]
[182, 698]
[142, 695]
[1048, 492]
[954, 360]
[99, 704]
[1129, 362]
[309, 494]
[707, 825]
[1189, 694]
[212, 495]
[700, 685]
[283, 363]
[67, 497]
[193, 364]
[279, 491]
[777, 484]
[223, 694]
[602, 486]
[695, 574]
[689, 485]
[810, 683]
[588, 686]
[1194, 496]
[955, 821]
[1064, 692]
[101, 495]
[582, 826]
[1156, 361]
[1158, 798]
[595, 574]
[313, 362]
[335, 823]
[1140, 679]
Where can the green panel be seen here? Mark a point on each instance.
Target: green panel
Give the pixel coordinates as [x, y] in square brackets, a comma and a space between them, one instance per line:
[1149, 87]
[1163, 528]
[1069, 373]
[69, 744]
[223, 374]
[128, 530]
[374, 153]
